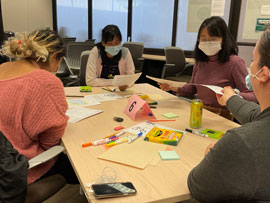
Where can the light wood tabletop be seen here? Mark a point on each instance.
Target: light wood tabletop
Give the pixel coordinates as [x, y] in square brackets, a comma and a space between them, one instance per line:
[165, 182]
[163, 58]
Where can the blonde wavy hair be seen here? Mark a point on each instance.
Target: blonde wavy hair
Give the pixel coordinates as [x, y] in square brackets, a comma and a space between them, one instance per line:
[37, 46]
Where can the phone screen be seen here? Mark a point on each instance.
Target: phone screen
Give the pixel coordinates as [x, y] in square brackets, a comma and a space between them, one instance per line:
[113, 189]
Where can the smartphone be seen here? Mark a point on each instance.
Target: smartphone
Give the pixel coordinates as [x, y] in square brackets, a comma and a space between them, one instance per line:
[106, 190]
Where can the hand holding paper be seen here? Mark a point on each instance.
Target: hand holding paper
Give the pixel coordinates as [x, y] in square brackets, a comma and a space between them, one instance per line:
[222, 99]
[120, 80]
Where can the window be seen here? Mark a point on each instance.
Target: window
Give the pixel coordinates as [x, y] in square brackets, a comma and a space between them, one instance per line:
[250, 29]
[72, 18]
[191, 13]
[152, 22]
[107, 12]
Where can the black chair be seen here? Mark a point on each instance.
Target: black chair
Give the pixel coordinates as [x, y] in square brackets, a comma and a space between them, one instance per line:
[73, 59]
[84, 59]
[175, 65]
[136, 51]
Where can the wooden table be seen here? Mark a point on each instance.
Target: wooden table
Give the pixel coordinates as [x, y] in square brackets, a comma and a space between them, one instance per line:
[163, 58]
[165, 182]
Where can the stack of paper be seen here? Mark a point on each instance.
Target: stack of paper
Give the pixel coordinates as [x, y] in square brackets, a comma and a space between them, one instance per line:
[139, 154]
[82, 102]
[104, 97]
[78, 113]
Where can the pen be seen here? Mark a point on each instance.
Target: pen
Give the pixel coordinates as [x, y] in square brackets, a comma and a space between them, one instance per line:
[108, 89]
[74, 96]
[196, 132]
[119, 141]
[116, 134]
[132, 139]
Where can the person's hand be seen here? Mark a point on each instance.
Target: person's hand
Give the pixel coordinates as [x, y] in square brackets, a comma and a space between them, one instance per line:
[209, 147]
[123, 87]
[228, 92]
[167, 87]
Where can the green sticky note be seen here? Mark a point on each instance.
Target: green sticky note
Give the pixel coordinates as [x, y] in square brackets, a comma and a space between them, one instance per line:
[168, 155]
[170, 115]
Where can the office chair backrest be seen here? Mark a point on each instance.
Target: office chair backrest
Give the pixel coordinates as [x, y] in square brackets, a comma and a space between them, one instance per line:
[136, 51]
[67, 40]
[245, 52]
[74, 51]
[84, 59]
[176, 56]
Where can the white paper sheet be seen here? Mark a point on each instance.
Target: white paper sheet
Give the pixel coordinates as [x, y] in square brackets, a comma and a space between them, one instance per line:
[82, 102]
[214, 88]
[78, 113]
[217, 8]
[129, 80]
[265, 10]
[104, 97]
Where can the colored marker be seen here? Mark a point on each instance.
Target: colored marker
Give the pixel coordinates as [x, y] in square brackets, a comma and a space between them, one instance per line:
[132, 139]
[196, 132]
[116, 134]
[119, 141]
[100, 142]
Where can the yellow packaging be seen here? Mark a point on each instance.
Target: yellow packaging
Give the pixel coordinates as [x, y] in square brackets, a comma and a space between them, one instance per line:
[164, 136]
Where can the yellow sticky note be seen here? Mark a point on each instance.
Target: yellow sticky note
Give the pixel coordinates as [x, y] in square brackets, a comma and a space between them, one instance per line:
[170, 115]
[168, 155]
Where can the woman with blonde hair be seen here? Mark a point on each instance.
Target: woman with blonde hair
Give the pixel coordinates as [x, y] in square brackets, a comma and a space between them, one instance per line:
[33, 103]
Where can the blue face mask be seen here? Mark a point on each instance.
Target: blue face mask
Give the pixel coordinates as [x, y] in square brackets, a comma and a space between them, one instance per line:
[248, 81]
[113, 50]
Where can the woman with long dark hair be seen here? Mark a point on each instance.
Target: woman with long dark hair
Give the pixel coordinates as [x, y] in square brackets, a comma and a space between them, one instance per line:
[217, 64]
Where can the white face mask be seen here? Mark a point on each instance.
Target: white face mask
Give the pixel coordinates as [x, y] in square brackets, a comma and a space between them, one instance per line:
[210, 48]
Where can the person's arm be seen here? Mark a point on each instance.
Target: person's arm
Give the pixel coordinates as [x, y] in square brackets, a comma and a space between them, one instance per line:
[44, 117]
[239, 73]
[226, 173]
[91, 77]
[189, 89]
[244, 111]
[130, 68]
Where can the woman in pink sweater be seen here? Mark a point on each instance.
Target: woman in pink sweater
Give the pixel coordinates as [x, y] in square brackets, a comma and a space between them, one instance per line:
[33, 103]
[108, 58]
[217, 64]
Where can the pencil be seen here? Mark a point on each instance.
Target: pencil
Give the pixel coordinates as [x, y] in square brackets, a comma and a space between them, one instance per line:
[74, 96]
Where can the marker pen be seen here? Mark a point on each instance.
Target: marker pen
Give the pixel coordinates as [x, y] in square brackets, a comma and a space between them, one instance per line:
[119, 141]
[132, 139]
[196, 132]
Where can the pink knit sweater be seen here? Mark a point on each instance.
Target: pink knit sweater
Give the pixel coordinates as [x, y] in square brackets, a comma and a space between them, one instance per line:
[33, 116]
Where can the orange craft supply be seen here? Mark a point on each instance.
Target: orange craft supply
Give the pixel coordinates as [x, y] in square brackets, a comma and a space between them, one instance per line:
[119, 128]
[87, 144]
[154, 120]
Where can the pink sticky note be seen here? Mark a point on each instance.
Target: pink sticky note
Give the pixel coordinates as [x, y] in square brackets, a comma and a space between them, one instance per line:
[135, 104]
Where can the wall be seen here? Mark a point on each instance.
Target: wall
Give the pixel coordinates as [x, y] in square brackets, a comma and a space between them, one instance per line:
[27, 15]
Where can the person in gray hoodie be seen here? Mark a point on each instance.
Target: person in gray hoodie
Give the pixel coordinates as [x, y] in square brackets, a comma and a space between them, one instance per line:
[237, 167]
